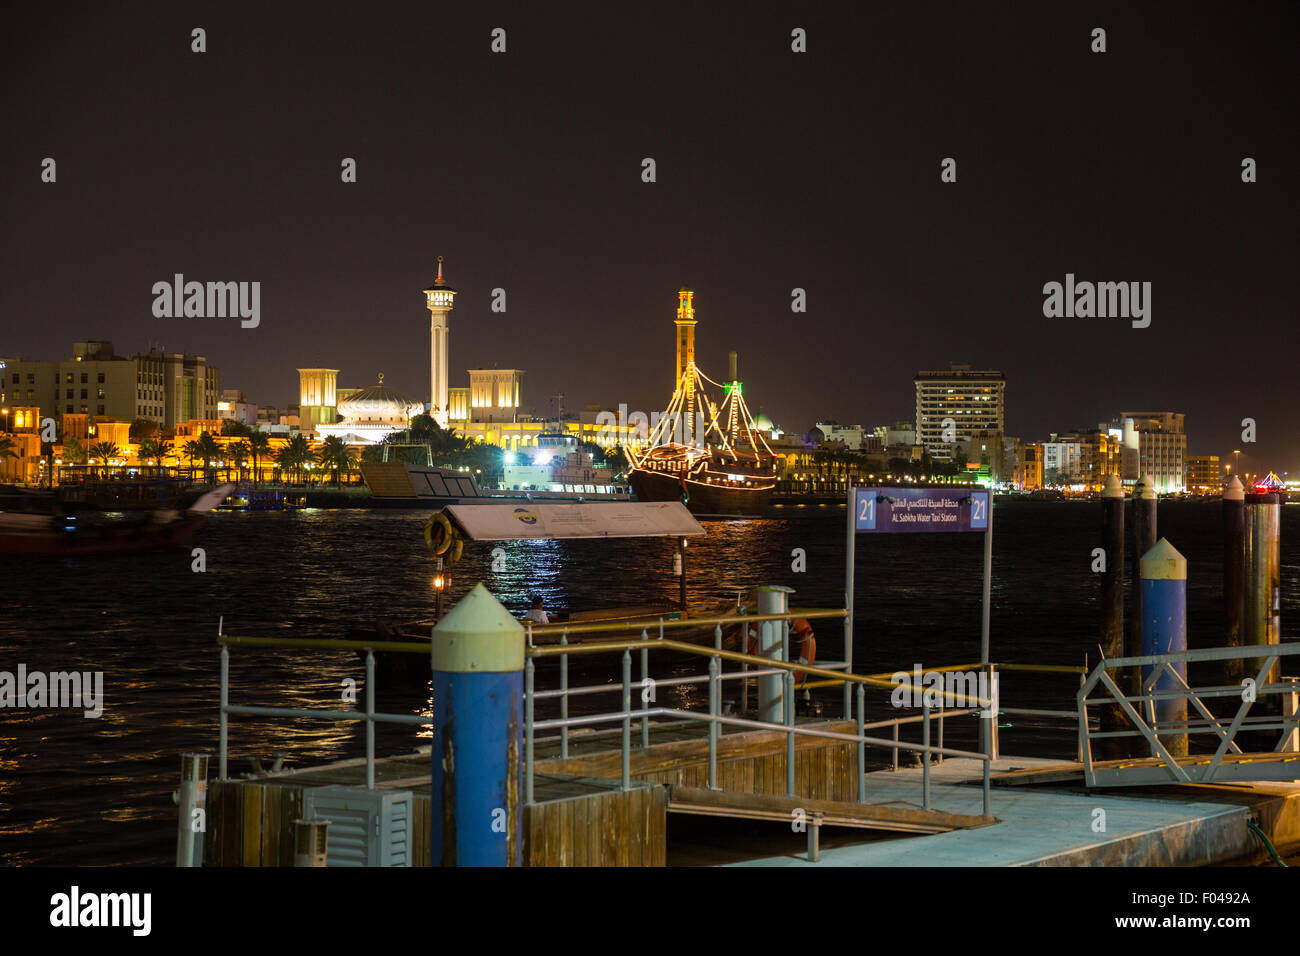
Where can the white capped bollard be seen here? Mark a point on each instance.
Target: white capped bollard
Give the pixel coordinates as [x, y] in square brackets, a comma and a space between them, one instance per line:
[773, 599]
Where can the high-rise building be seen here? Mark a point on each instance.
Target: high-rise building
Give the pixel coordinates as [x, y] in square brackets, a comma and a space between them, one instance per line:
[956, 404]
[439, 298]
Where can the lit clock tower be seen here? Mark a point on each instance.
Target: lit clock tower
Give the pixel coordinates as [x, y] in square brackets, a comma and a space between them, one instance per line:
[438, 298]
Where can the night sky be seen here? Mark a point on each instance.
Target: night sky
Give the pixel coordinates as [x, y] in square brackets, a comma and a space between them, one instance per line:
[775, 170]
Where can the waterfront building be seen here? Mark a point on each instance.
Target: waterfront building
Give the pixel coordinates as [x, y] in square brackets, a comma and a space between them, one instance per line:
[1161, 441]
[971, 398]
[899, 433]
[232, 406]
[162, 387]
[1082, 458]
[848, 435]
[1204, 474]
[317, 398]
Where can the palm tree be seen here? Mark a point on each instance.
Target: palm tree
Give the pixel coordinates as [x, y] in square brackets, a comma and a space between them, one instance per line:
[155, 450]
[335, 456]
[105, 450]
[208, 450]
[192, 451]
[7, 450]
[293, 456]
[259, 444]
[236, 454]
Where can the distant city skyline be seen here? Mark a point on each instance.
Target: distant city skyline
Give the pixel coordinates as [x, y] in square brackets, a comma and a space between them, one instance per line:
[775, 171]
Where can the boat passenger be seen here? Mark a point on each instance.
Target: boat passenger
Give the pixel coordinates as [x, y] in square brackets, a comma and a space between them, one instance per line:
[536, 614]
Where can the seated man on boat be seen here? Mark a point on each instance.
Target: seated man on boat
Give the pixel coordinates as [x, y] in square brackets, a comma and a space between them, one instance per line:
[537, 614]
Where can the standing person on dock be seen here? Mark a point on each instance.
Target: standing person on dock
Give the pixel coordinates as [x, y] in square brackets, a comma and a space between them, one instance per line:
[537, 614]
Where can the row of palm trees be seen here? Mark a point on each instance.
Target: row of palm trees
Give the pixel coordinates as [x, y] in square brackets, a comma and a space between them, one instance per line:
[292, 460]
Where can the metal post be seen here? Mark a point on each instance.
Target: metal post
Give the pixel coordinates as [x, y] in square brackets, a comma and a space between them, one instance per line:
[1112, 608]
[225, 702]
[1234, 575]
[645, 675]
[940, 722]
[989, 727]
[564, 708]
[370, 719]
[714, 669]
[530, 669]
[681, 549]
[192, 800]
[850, 546]
[895, 748]
[1263, 580]
[789, 734]
[987, 763]
[988, 585]
[1164, 631]
[925, 755]
[477, 655]
[1144, 539]
[627, 718]
[772, 599]
[862, 746]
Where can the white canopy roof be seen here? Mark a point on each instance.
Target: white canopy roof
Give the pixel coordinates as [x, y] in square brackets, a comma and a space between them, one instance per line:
[511, 521]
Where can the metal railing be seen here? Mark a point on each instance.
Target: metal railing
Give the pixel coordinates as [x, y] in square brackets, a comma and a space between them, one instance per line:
[960, 703]
[949, 704]
[369, 715]
[1143, 718]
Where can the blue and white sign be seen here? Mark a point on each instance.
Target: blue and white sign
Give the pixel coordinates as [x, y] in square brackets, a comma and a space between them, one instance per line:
[920, 509]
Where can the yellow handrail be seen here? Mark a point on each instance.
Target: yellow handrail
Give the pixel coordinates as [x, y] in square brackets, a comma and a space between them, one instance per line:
[646, 624]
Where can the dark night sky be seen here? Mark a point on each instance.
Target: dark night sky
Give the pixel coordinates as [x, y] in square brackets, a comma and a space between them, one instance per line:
[775, 170]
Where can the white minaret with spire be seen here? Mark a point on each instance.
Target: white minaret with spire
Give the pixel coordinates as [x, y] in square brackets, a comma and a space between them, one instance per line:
[438, 298]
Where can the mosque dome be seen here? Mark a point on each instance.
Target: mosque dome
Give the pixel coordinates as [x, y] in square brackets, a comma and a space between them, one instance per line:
[762, 423]
[379, 405]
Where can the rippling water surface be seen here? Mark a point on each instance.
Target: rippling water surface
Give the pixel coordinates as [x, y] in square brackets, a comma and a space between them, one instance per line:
[80, 791]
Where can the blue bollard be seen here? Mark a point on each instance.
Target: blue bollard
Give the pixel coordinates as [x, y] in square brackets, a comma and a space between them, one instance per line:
[478, 685]
[1164, 630]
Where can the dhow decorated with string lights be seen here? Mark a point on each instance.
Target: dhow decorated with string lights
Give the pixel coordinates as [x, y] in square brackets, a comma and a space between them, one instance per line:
[705, 454]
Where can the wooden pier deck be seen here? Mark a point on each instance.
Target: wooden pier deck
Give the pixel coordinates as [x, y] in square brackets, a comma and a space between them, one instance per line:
[580, 815]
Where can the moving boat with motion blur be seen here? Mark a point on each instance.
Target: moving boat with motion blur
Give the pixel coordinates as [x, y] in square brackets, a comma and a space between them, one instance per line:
[51, 523]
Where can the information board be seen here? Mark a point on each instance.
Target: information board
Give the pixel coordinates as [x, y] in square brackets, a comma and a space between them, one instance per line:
[920, 509]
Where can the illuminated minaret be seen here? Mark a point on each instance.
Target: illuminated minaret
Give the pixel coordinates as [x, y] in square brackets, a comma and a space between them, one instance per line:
[685, 332]
[686, 358]
[438, 297]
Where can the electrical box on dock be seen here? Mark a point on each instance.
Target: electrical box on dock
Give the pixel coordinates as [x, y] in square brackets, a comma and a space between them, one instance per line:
[367, 827]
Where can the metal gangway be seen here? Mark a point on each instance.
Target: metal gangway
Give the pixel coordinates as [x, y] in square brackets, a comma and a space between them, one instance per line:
[1228, 762]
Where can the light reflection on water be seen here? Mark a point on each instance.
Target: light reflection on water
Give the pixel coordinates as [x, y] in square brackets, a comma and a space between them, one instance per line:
[77, 791]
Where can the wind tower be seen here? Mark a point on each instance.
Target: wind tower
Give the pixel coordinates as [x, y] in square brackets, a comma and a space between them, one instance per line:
[686, 357]
[438, 298]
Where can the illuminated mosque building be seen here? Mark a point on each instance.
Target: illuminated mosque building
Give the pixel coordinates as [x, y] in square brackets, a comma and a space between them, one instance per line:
[487, 410]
